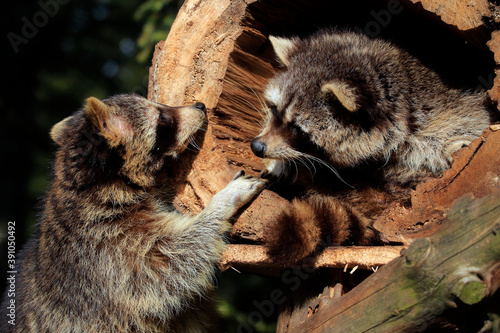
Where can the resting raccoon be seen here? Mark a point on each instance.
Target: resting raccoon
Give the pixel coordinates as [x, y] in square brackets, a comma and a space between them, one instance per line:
[369, 111]
[109, 255]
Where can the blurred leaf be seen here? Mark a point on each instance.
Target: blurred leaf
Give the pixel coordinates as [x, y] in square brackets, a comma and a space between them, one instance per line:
[158, 16]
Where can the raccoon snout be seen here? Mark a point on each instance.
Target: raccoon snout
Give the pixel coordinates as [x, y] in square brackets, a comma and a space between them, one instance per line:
[200, 106]
[258, 147]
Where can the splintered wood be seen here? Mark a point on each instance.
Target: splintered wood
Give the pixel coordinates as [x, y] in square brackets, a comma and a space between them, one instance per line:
[459, 263]
[475, 170]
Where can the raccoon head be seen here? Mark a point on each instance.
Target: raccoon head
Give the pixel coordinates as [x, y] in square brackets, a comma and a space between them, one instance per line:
[126, 136]
[318, 110]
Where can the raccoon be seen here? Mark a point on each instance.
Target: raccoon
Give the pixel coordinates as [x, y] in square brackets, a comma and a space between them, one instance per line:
[109, 254]
[368, 111]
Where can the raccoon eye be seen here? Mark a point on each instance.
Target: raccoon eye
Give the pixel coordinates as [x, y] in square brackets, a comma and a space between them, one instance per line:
[273, 108]
[163, 117]
[295, 129]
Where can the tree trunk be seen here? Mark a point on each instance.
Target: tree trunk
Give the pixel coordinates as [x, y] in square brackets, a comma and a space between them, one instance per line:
[218, 52]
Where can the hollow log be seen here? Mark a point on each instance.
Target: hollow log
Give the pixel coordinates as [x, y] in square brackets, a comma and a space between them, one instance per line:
[218, 52]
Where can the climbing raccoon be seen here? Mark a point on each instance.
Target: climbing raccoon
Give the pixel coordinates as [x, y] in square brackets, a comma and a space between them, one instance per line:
[370, 113]
[109, 253]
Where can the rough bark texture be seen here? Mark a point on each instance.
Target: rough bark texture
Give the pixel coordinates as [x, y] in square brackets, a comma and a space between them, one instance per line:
[191, 66]
[458, 265]
[464, 14]
[476, 170]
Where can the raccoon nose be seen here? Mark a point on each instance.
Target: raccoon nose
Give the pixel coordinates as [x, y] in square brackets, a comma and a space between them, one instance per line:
[200, 106]
[258, 147]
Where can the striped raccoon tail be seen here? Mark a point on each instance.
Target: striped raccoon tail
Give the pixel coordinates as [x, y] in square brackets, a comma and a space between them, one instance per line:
[313, 223]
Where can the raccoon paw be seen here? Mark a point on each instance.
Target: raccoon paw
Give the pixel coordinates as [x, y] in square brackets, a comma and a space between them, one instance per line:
[240, 190]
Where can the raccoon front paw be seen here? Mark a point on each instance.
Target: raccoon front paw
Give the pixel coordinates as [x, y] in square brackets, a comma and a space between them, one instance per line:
[240, 190]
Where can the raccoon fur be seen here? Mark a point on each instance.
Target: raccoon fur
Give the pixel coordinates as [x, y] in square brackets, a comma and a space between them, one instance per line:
[370, 113]
[109, 254]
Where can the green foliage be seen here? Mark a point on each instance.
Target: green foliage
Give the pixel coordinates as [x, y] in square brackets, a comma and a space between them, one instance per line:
[241, 295]
[158, 16]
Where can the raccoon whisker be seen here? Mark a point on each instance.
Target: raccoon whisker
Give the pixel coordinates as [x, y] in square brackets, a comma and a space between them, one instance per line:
[193, 144]
[304, 160]
[287, 163]
[194, 147]
[328, 166]
[262, 104]
[253, 106]
[259, 124]
[294, 157]
[313, 167]
[296, 170]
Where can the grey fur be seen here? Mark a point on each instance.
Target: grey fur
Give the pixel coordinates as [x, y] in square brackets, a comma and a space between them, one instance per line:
[364, 100]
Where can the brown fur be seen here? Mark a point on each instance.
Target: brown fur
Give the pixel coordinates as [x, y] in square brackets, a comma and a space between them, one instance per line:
[368, 112]
[109, 255]
[312, 224]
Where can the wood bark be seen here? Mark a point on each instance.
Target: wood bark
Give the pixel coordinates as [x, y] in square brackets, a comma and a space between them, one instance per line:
[458, 265]
[475, 170]
[255, 259]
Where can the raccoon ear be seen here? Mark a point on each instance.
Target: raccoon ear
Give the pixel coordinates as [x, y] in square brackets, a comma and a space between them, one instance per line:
[346, 94]
[283, 47]
[57, 131]
[113, 127]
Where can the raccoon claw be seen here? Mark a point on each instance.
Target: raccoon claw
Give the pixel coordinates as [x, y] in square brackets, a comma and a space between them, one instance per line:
[238, 174]
[265, 174]
[240, 190]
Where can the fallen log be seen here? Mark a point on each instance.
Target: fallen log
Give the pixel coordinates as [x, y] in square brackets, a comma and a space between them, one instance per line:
[457, 266]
